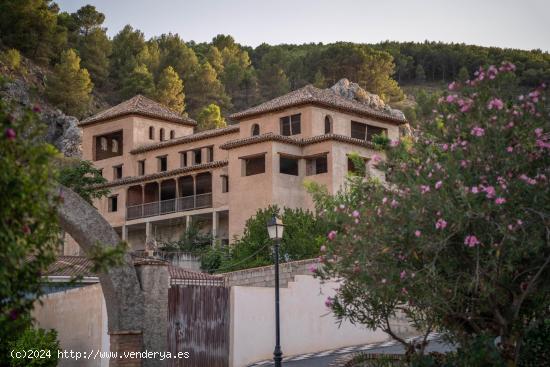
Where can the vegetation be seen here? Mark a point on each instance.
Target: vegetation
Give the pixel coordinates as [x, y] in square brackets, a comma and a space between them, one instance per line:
[192, 241]
[11, 59]
[210, 117]
[254, 248]
[234, 76]
[70, 87]
[459, 240]
[170, 90]
[43, 344]
[81, 176]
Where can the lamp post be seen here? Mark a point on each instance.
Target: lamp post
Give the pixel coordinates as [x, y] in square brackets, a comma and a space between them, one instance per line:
[275, 228]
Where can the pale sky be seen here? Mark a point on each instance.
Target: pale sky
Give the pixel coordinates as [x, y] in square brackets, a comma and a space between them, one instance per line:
[523, 24]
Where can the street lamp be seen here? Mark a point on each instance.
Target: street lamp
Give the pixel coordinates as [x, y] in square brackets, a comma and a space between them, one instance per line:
[275, 228]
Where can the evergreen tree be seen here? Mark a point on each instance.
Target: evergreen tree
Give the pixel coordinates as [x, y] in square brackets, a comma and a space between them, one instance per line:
[88, 19]
[463, 74]
[210, 117]
[174, 52]
[70, 87]
[319, 80]
[214, 57]
[420, 75]
[128, 44]
[205, 88]
[170, 90]
[94, 49]
[139, 81]
[271, 75]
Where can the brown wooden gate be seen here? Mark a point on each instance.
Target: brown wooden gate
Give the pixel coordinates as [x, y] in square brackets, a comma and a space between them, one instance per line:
[198, 323]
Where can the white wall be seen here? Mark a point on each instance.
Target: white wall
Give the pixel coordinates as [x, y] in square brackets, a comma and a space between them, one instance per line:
[80, 317]
[306, 324]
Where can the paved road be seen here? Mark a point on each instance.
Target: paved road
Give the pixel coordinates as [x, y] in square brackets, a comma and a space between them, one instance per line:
[323, 359]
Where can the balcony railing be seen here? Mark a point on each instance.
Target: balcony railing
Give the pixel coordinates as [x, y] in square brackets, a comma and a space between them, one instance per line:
[169, 206]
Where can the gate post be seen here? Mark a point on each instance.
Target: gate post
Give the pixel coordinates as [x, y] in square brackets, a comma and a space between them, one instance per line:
[154, 279]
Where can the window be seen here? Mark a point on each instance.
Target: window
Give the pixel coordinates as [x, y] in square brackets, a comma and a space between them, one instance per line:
[197, 156]
[113, 203]
[288, 166]
[101, 172]
[172, 134]
[290, 125]
[107, 145]
[117, 172]
[163, 163]
[255, 130]
[151, 132]
[141, 167]
[210, 151]
[328, 124]
[358, 130]
[161, 134]
[114, 146]
[317, 165]
[183, 159]
[375, 130]
[103, 143]
[352, 168]
[254, 165]
[225, 183]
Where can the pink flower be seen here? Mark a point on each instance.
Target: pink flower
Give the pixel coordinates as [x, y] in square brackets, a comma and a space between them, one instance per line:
[403, 275]
[394, 203]
[489, 192]
[26, 229]
[323, 248]
[394, 143]
[471, 241]
[477, 131]
[444, 147]
[312, 268]
[438, 185]
[538, 132]
[331, 235]
[451, 98]
[453, 86]
[474, 190]
[36, 108]
[496, 104]
[376, 159]
[510, 149]
[417, 233]
[404, 290]
[500, 201]
[329, 302]
[440, 224]
[355, 214]
[424, 189]
[10, 134]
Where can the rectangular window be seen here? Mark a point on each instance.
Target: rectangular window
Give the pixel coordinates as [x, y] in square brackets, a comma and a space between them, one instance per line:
[108, 145]
[101, 172]
[291, 125]
[117, 172]
[225, 183]
[163, 163]
[375, 130]
[254, 166]
[141, 167]
[358, 130]
[210, 154]
[113, 203]
[183, 159]
[288, 166]
[197, 156]
[317, 165]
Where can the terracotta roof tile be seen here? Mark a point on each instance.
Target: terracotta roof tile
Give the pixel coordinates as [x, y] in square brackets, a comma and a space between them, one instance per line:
[187, 139]
[295, 141]
[139, 105]
[323, 97]
[154, 176]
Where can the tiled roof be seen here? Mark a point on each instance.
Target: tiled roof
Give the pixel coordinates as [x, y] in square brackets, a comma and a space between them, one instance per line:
[154, 176]
[76, 266]
[295, 141]
[187, 139]
[139, 105]
[322, 97]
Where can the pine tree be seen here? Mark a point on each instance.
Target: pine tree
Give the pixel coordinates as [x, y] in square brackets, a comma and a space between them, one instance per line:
[210, 117]
[70, 87]
[139, 81]
[420, 75]
[127, 46]
[94, 49]
[463, 74]
[204, 88]
[319, 80]
[170, 90]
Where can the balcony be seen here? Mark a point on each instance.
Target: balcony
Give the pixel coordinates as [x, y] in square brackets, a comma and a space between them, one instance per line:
[180, 204]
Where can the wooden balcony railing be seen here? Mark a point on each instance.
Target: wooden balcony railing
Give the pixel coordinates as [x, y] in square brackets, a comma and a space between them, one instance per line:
[169, 206]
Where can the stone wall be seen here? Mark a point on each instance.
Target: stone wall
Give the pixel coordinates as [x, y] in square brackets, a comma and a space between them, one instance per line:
[265, 276]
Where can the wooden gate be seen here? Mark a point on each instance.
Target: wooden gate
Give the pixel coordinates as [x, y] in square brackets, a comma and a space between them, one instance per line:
[198, 323]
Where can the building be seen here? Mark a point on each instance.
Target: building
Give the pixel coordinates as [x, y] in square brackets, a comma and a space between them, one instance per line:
[163, 176]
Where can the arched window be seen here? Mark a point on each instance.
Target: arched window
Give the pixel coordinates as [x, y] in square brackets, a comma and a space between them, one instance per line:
[114, 145]
[152, 132]
[172, 134]
[328, 124]
[255, 129]
[161, 134]
[103, 143]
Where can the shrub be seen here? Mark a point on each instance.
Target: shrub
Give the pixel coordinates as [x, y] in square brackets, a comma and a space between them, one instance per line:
[535, 350]
[11, 58]
[43, 343]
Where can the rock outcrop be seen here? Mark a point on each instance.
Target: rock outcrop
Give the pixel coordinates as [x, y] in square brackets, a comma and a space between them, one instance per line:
[353, 91]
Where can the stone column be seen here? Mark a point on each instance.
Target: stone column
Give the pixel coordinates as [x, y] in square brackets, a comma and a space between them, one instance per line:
[155, 280]
[214, 227]
[124, 232]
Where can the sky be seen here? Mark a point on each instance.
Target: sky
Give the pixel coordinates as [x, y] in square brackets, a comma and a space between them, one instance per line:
[523, 24]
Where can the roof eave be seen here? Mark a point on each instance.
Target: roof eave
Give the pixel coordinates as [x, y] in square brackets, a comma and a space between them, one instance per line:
[92, 121]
